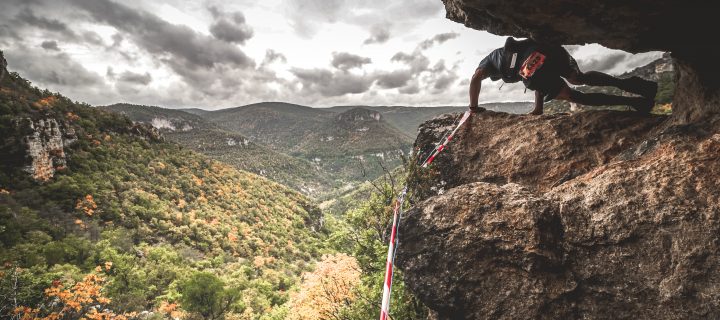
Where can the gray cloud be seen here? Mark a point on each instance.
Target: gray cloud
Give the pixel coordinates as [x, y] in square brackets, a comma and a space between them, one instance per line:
[135, 78]
[50, 45]
[603, 63]
[331, 84]
[379, 33]
[444, 81]
[177, 43]
[347, 61]
[28, 17]
[231, 28]
[51, 69]
[225, 30]
[92, 38]
[437, 39]
[412, 88]
[394, 79]
[416, 61]
[571, 48]
[272, 56]
[307, 16]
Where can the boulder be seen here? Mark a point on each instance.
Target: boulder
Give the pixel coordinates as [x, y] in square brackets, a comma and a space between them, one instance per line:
[594, 215]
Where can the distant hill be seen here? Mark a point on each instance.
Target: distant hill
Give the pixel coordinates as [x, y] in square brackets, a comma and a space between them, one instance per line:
[350, 145]
[197, 133]
[195, 111]
[408, 119]
[281, 126]
[87, 194]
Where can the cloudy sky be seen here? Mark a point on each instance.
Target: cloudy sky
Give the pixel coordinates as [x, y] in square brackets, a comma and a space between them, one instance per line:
[218, 54]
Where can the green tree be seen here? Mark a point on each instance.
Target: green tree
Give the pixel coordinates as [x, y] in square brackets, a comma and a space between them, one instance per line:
[204, 293]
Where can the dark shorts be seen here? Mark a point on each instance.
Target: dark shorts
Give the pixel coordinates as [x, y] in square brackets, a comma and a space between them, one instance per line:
[548, 79]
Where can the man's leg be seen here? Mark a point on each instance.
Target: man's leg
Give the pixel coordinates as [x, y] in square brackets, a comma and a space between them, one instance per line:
[643, 105]
[635, 85]
[569, 70]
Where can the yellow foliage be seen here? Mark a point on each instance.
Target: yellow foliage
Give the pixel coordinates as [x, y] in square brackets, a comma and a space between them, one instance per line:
[197, 180]
[325, 291]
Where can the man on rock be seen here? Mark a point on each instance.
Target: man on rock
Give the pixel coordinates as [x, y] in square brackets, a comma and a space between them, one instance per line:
[542, 69]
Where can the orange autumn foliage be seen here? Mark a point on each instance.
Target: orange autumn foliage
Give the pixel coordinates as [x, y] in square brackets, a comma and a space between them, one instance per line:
[325, 291]
[170, 309]
[83, 300]
[87, 205]
[46, 102]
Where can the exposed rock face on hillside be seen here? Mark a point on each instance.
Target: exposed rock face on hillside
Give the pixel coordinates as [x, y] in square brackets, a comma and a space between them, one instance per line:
[666, 25]
[596, 215]
[359, 114]
[3, 66]
[45, 147]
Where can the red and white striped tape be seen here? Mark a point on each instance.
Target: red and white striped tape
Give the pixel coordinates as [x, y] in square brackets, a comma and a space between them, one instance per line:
[397, 216]
[439, 148]
[390, 263]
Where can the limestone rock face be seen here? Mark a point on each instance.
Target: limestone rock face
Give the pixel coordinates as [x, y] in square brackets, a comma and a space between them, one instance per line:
[45, 147]
[596, 215]
[359, 115]
[635, 26]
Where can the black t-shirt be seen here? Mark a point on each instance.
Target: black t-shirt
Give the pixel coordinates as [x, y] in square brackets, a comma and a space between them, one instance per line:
[499, 65]
[492, 64]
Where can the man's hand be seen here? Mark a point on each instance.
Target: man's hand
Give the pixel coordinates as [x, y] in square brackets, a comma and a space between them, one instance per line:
[476, 109]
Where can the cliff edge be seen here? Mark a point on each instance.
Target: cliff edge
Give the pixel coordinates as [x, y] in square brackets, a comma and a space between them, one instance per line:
[599, 214]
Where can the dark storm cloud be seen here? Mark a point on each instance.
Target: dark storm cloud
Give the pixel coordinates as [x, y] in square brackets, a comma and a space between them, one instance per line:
[379, 33]
[347, 61]
[50, 45]
[177, 43]
[331, 84]
[51, 69]
[437, 39]
[603, 63]
[136, 78]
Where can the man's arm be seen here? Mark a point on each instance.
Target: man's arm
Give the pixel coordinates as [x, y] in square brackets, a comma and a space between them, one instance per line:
[538, 110]
[475, 82]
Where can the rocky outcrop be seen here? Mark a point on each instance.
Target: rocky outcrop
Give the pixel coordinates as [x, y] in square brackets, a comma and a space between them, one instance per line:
[3, 66]
[359, 115]
[596, 215]
[45, 147]
[636, 26]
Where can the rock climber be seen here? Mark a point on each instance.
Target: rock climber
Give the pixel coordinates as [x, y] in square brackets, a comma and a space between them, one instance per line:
[542, 69]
